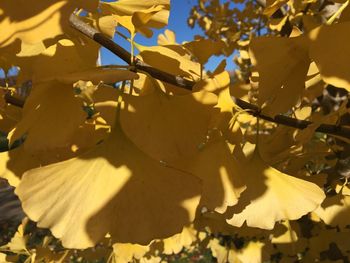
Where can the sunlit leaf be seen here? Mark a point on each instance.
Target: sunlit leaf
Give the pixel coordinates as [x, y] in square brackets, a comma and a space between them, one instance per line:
[126, 252]
[273, 5]
[36, 21]
[176, 243]
[168, 38]
[141, 15]
[114, 188]
[62, 58]
[18, 242]
[272, 196]
[333, 211]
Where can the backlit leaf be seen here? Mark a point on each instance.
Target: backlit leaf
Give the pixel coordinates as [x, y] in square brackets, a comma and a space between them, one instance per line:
[203, 49]
[168, 38]
[223, 182]
[37, 20]
[52, 109]
[166, 134]
[282, 72]
[331, 53]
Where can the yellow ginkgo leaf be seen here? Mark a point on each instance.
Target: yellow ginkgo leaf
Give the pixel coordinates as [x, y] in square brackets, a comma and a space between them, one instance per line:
[14, 163]
[114, 188]
[3, 257]
[36, 21]
[225, 119]
[334, 210]
[329, 50]
[18, 242]
[85, 90]
[126, 252]
[273, 5]
[203, 49]
[223, 182]
[142, 14]
[272, 196]
[282, 72]
[253, 252]
[64, 57]
[215, 83]
[303, 113]
[290, 242]
[288, 236]
[141, 19]
[225, 101]
[126, 21]
[278, 145]
[51, 109]
[220, 252]
[105, 24]
[30, 50]
[168, 38]
[278, 23]
[176, 243]
[166, 134]
[173, 59]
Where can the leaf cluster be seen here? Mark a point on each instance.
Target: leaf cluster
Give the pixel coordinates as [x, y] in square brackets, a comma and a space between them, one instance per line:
[120, 163]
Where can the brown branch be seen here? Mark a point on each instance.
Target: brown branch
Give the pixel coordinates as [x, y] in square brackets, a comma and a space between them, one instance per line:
[187, 84]
[125, 55]
[337, 130]
[87, 30]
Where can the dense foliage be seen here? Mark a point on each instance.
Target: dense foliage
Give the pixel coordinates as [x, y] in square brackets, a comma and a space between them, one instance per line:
[159, 160]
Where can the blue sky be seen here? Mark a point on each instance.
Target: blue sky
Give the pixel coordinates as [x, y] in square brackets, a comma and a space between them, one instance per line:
[179, 12]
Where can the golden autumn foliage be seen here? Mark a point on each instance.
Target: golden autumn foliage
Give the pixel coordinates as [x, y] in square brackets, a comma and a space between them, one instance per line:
[161, 160]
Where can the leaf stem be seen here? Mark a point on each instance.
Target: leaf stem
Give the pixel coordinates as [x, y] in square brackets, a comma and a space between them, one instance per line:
[337, 13]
